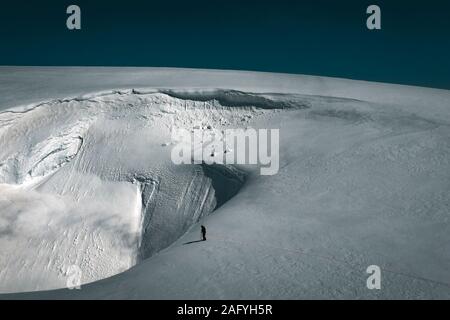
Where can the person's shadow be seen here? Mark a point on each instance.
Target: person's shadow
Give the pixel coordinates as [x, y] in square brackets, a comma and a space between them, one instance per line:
[192, 242]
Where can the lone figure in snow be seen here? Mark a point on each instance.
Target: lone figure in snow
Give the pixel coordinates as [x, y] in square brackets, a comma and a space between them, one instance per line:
[203, 233]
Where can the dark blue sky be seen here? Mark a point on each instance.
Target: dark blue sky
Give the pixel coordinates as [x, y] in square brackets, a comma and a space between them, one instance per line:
[308, 37]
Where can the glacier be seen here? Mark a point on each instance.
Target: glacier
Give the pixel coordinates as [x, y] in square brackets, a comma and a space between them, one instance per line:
[86, 179]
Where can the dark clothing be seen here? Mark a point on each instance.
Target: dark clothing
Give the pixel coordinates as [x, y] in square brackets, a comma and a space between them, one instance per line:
[203, 233]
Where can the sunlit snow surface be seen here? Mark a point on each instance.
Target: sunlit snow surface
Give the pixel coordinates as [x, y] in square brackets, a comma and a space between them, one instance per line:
[86, 179]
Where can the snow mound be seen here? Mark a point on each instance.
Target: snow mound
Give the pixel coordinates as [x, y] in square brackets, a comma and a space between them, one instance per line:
[361, 176]
[99, 169]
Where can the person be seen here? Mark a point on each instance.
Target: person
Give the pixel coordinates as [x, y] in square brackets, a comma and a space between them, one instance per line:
[203, 233]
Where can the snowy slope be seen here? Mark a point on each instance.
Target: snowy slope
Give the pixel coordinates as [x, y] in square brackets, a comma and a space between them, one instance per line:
[86, 179]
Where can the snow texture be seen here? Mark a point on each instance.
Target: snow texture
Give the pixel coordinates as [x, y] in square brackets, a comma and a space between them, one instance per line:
[86, 179]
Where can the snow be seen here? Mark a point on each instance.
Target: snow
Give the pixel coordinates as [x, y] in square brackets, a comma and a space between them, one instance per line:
[86, 179]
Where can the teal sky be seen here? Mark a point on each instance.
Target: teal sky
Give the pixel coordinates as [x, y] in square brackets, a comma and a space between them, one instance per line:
[327, 38]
